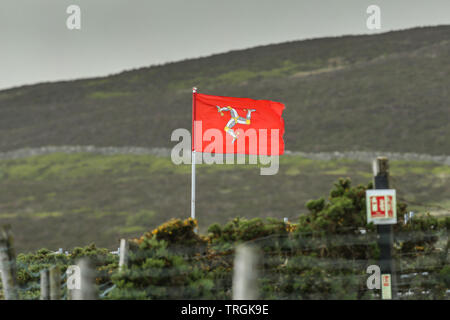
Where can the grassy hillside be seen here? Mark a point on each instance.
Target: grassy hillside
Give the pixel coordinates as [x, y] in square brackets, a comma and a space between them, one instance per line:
[385, 92]
[68, 200]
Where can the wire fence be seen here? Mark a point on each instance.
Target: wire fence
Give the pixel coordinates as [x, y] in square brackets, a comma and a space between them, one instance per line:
[300, 267]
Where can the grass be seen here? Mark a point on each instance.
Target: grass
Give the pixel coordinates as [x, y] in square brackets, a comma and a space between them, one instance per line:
[108, 95]
[67, 200]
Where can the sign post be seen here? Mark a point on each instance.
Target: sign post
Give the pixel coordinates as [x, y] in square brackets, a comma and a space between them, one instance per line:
[386, 287]
[382, 210]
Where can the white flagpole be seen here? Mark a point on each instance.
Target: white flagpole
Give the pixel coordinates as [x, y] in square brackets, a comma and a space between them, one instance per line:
[193, 160]
[193, 186]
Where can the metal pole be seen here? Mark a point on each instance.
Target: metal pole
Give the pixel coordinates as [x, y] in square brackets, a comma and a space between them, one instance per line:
[193, 160]
[385, 232]
[123, 254]
[88, 288]
[45, 284]
[245, 273]
[8, 264]
[55, 283]
[193, 187]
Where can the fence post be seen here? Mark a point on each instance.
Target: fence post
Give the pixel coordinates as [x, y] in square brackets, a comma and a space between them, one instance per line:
[8, 263]
[55, 283]
[123, 253]
[385, 232]
[88, 289]
[245, 273]
[45, 285]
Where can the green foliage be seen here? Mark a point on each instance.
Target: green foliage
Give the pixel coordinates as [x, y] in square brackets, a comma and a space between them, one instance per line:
[29, 266]
[323, 256]
[316, 206]
[242, 230]
[345, 208]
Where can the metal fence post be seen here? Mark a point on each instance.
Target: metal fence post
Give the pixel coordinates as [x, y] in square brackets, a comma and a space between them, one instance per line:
[45, 285]
[55, 283]
[123, 253]
[88, 288]
[8, 263]
[245, 273]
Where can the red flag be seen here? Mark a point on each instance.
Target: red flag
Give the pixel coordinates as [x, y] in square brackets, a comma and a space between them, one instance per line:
[237, 125]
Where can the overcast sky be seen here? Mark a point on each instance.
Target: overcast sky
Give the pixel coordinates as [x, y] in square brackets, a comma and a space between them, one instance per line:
[116, 35]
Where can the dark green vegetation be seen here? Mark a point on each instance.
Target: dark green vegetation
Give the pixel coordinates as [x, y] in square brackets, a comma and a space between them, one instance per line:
[29, 266]
[62, 200]
[386, 92]
[322, 256]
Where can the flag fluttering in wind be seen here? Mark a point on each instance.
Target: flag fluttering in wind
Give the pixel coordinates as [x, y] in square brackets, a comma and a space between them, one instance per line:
[237, 125]
[227, 125]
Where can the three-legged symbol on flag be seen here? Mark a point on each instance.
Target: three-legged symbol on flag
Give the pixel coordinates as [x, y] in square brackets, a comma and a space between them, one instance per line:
[235, 118]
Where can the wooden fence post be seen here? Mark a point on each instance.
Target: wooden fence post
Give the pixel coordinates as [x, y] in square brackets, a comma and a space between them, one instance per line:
[123, 253]
[245, 273]
[55, 283]
[8, 263]
[385, 232]
[45, 285]
[88, 288]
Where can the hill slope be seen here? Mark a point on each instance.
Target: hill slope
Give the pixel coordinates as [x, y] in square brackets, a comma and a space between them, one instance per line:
[385, 92]
[66, 200]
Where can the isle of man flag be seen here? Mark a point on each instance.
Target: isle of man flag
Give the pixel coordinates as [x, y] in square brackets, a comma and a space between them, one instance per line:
[237, 125]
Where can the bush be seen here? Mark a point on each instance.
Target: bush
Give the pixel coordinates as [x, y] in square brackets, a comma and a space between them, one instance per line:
[323, 256]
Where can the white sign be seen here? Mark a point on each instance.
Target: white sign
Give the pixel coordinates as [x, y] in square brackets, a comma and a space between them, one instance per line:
[381, 206]
[386, 289]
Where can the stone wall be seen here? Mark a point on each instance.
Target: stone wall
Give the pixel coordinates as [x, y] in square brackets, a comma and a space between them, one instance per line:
[165, 152]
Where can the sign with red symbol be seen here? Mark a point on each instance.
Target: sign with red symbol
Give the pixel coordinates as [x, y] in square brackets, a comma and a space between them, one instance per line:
[386, 290]
[381, 206]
